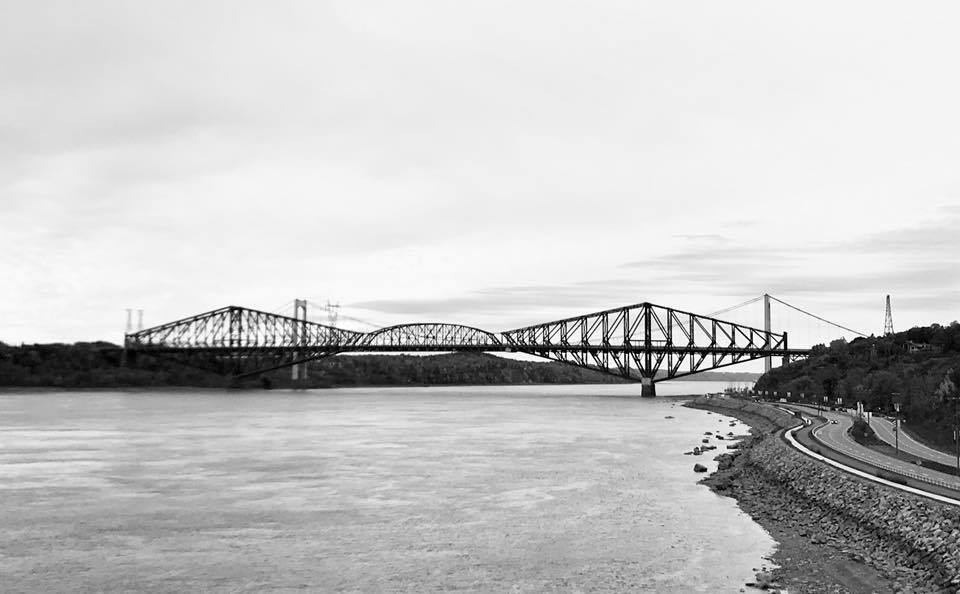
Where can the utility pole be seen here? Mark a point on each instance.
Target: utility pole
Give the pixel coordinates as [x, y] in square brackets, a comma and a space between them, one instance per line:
[956, 425]
[896, 426]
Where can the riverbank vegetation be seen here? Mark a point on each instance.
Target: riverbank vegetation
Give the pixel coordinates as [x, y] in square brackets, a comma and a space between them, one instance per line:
[97, 365]
[918, 368]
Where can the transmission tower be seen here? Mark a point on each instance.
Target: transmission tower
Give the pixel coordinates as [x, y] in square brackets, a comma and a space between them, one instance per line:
[888, 320]
[333, 311]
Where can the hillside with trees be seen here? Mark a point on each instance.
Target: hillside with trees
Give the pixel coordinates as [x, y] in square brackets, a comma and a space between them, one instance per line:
[97, 365]
[919, 368]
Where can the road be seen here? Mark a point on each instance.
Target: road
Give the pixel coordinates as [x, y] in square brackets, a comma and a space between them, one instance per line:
[836, 436]
[885, 431]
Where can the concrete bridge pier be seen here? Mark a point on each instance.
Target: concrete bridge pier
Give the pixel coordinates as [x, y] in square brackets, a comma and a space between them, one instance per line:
[647, 387]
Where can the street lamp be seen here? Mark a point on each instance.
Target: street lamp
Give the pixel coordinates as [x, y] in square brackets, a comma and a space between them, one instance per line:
[956, 427]
[896, 426]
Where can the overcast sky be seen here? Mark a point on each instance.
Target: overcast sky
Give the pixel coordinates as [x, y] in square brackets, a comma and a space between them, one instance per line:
[491, 163]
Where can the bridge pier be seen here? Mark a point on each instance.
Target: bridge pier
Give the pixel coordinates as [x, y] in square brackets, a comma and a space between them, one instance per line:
[298, 371]
[647, 388]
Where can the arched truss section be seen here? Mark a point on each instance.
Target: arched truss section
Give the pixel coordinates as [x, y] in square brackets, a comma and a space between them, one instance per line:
[428, 337]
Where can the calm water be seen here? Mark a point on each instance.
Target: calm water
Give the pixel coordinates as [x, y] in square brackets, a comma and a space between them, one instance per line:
[515, 489]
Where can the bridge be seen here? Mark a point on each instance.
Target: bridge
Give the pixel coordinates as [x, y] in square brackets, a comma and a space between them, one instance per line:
[643, 342]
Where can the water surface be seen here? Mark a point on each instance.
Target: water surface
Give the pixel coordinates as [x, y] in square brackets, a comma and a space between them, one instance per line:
[520, 489]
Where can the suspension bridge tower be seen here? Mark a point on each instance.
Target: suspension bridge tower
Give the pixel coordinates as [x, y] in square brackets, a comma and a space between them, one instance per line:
[299, 370]
[767, 362]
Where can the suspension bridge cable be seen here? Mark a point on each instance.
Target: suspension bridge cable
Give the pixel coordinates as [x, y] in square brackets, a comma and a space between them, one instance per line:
[818, 317]
[352, 319]
[281, 308]
[747, 302]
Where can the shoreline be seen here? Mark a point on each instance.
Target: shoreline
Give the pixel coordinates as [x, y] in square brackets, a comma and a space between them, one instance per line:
[808, 557]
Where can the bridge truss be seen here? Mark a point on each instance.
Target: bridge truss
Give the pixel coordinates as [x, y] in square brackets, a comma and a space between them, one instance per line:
[644, 342]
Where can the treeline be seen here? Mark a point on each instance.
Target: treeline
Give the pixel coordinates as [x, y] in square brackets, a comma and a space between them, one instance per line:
[918, 368]
[98, 365]
[438, 370]
[93, 365]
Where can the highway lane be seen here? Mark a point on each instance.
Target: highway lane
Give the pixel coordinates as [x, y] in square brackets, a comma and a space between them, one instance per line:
[836, 436]
[885, 431]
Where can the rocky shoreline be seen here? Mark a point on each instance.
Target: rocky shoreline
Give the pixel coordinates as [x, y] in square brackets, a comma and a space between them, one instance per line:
[835, 532]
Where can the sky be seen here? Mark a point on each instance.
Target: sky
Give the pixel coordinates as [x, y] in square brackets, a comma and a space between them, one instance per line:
[494, 163]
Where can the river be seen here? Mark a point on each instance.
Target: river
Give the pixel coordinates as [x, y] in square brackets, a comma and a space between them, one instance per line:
[505, 489]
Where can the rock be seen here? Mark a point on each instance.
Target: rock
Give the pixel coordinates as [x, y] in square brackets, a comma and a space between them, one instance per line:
[764, 580]
[699, 468]
[668, 417]
[705, 440]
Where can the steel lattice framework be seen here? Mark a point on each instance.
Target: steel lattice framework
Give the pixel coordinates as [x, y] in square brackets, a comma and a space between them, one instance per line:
[645, 342]
[242, 341]
[430, 337]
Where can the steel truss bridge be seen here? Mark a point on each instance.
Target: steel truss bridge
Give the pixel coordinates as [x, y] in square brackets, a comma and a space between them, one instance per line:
[642, 342]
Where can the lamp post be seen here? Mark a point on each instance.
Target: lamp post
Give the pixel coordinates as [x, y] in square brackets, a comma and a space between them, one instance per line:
[956, 427]
[896, 427]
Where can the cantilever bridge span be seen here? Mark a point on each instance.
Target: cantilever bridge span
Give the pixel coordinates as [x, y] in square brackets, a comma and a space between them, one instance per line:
[643, 342]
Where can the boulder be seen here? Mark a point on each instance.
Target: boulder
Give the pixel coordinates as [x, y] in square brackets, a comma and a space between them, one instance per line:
[699, 468]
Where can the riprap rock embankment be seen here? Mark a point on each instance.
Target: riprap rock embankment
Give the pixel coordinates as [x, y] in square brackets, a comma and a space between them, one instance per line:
[911, 540]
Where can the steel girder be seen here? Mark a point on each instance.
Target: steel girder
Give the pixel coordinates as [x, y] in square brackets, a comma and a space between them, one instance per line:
[241, 341]
[636, 341]
[432, 336]
[648, 341]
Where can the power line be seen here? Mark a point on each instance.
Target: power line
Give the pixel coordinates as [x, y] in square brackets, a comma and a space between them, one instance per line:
[817, 317]
[344, 316]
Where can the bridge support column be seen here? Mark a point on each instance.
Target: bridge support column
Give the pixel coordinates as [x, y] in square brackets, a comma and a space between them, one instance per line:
[298, 372]
[647, 388]
[786, 357]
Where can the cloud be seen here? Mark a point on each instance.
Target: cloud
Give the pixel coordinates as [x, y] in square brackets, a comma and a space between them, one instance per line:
[915, 264]
[509, 161]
